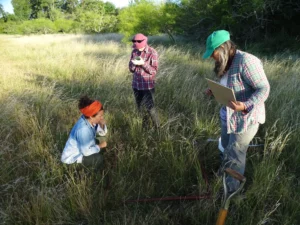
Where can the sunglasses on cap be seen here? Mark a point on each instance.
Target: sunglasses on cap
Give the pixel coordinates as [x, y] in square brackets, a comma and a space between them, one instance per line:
[138, 41]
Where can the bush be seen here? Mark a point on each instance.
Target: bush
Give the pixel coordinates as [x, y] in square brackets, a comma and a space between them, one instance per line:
[9, 27]
[63, 25]
[38, 26]
[95, 22]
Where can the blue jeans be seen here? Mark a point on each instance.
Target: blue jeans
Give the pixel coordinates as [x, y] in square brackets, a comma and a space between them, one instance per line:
[235, 149]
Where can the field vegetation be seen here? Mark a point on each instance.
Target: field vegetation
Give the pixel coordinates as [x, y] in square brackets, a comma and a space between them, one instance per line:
[42, 78]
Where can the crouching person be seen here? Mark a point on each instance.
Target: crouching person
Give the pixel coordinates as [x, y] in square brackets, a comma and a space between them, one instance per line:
[81, 146]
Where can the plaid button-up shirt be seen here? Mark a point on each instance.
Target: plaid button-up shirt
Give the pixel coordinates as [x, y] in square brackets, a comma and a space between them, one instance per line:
[144, 75]
[247, 78]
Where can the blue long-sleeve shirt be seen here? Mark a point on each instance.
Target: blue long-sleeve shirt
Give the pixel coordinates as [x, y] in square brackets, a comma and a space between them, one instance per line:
[81, 141]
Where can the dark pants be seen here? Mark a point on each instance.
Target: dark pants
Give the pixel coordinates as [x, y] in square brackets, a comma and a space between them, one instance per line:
[94, 161]
[146, 98]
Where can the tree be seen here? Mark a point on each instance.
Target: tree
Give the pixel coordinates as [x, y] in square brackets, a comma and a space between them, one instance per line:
[246, 19]
[109, 8]
[3, 13]
[41, 8]
[69, 6]
[169, 13]
[93, 17]
[22, 9]
[142, 17]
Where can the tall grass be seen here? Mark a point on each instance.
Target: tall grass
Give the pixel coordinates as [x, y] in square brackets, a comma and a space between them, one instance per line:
[42, 78]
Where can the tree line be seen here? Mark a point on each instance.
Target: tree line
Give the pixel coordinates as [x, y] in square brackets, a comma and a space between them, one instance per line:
[247, 20]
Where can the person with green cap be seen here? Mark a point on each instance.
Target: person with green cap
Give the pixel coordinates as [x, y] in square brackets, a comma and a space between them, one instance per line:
[244, 74]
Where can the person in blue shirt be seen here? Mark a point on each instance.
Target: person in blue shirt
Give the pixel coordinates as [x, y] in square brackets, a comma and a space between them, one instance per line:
[81, 146]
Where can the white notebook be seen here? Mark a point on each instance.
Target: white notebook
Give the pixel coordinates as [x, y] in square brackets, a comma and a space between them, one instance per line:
[222, 94]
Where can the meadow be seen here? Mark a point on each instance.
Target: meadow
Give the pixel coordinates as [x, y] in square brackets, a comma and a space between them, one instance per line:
[42, 78]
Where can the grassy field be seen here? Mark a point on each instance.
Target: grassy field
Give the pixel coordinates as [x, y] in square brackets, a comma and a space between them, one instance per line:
[42, 78]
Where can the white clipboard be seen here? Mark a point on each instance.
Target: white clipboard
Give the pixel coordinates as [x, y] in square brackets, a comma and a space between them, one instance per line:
[221, 93]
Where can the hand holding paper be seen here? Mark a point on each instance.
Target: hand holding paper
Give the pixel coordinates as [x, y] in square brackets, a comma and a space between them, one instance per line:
[208, 92]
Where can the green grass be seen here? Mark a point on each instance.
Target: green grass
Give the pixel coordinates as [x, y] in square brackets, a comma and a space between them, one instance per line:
[42, 78]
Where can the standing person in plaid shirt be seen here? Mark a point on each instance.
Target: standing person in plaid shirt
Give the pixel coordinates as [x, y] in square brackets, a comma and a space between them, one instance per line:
[244, 74]
[144, 64]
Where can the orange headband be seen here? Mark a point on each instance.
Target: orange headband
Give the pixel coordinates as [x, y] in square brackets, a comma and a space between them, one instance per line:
[91, 109]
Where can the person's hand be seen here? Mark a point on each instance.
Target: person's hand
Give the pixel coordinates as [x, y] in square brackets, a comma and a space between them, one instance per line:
[138, 61]
[103, 144]
[237, 106]
[102, 123]
[208, 92]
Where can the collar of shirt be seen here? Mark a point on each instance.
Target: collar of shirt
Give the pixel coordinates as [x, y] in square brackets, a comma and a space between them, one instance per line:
[87, 122]
[146, 49]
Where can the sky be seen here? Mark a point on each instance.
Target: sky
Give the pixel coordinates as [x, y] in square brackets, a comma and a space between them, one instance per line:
[7, 6]
[118, 3]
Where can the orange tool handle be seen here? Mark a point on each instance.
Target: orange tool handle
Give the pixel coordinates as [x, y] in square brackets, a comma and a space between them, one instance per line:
[235, 174]
[222, 217]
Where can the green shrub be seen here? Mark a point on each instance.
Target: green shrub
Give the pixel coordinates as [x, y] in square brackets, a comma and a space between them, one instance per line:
[37, 26]
[9, 27]
[63, 25]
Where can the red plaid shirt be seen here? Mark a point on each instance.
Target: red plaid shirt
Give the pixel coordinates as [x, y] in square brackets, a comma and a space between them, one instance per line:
[144, 75]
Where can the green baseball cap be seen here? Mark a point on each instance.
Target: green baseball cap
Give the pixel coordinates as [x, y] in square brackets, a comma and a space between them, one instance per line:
[215, 40]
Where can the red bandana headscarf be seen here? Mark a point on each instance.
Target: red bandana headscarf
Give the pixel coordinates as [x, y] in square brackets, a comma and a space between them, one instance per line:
[91, 109]
[139, 37]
